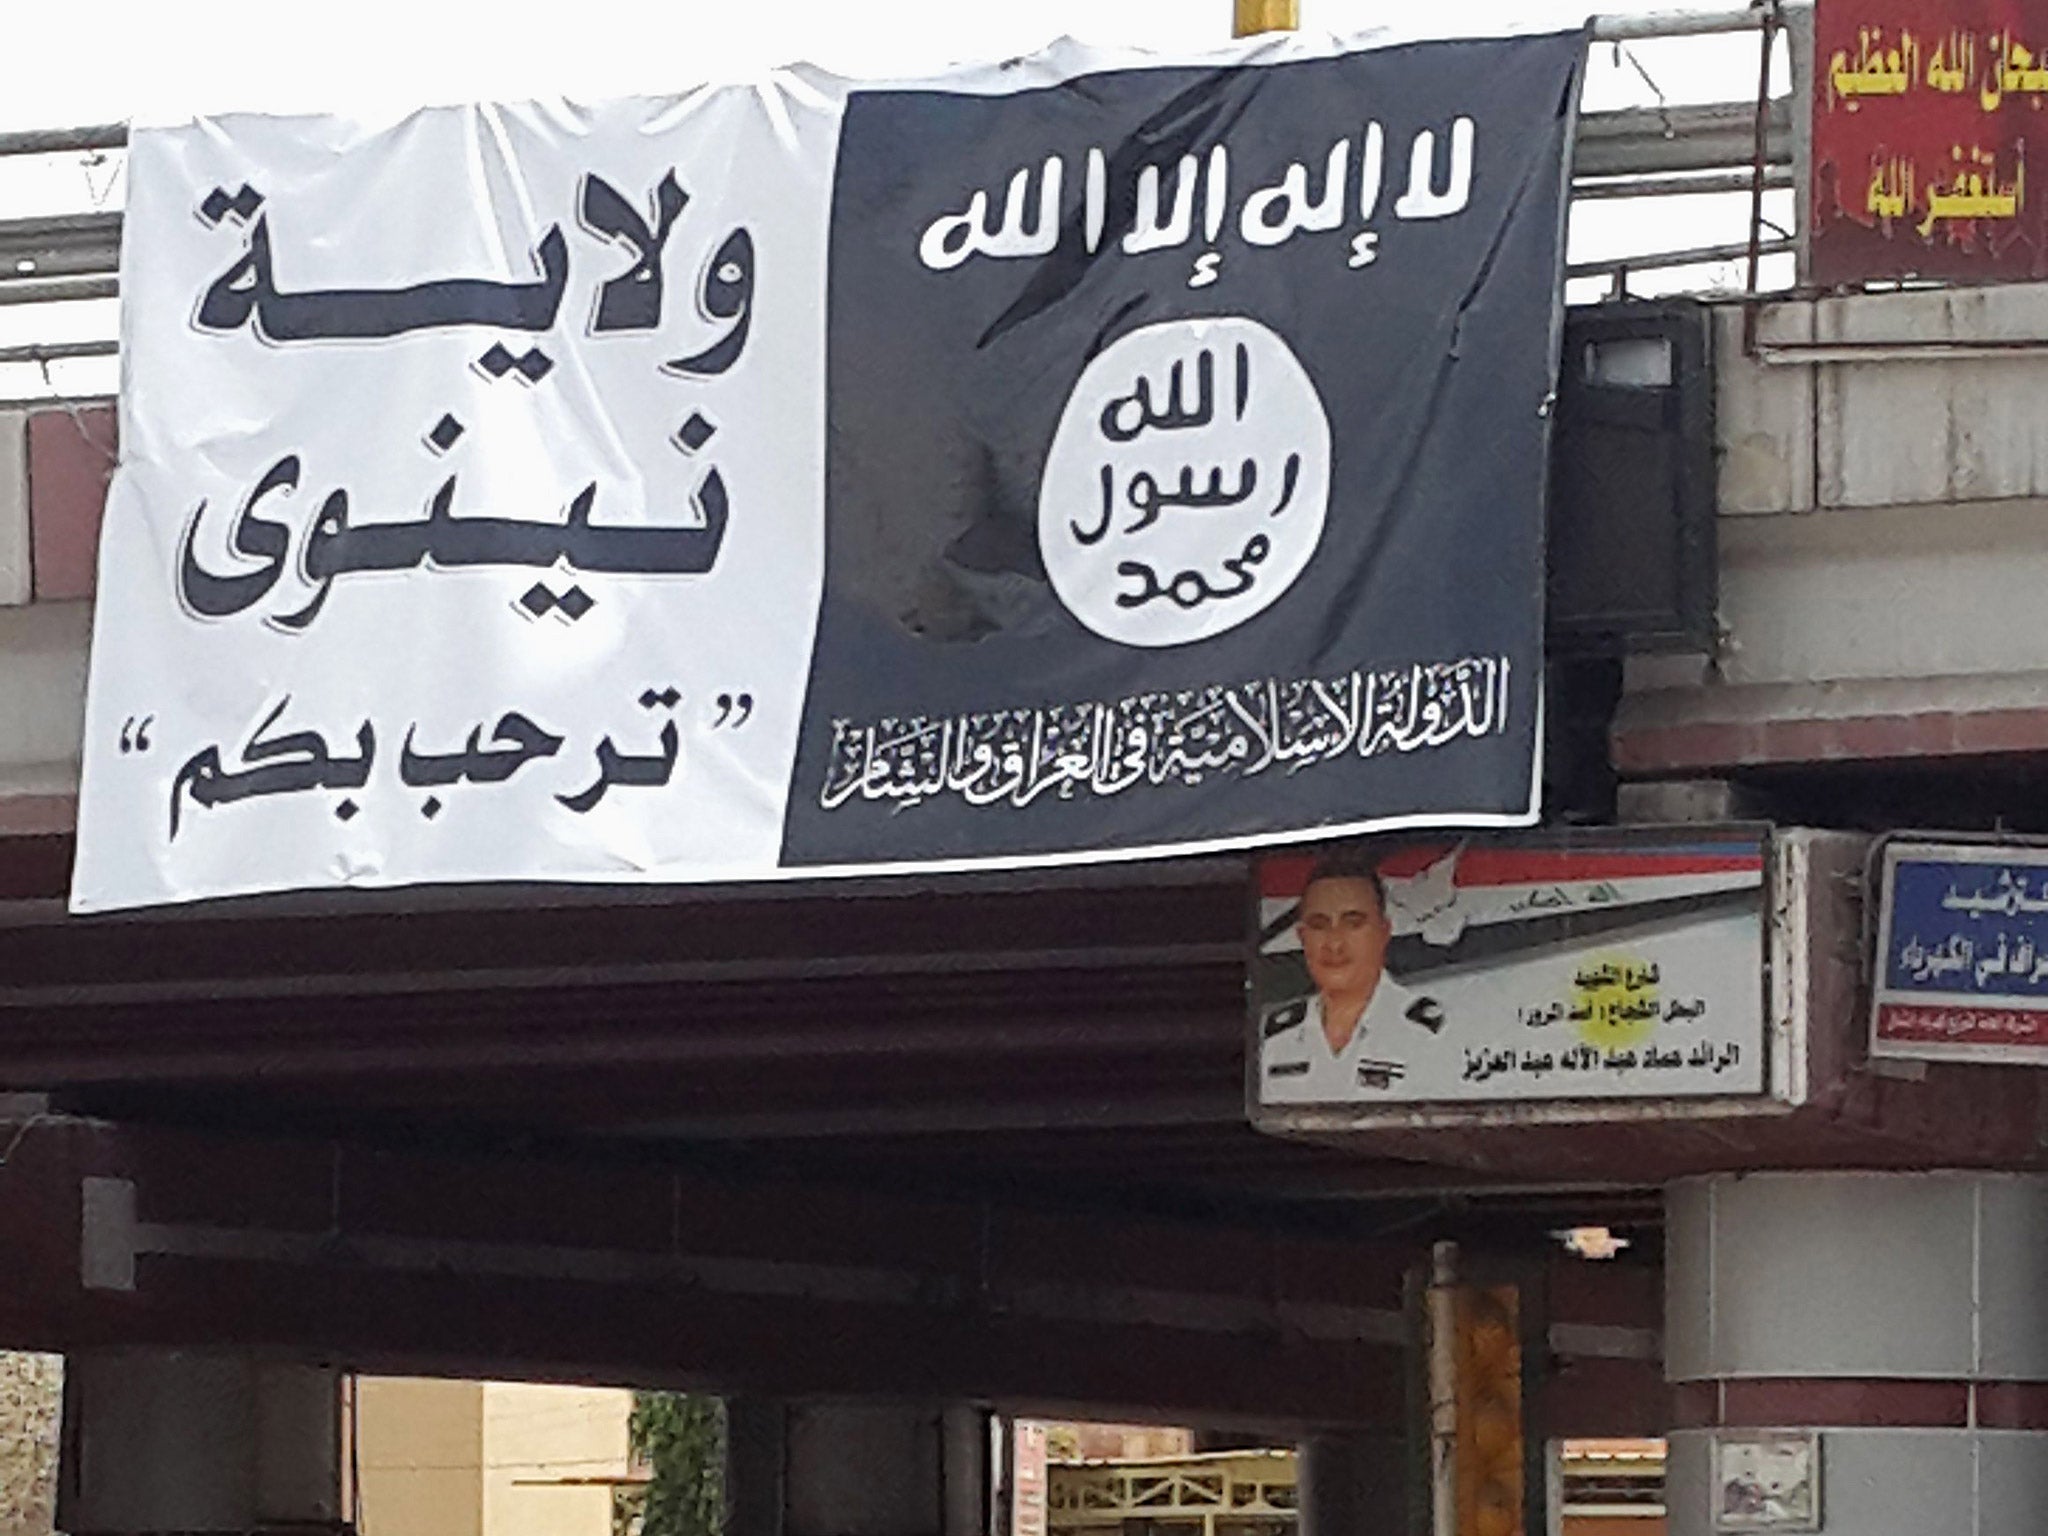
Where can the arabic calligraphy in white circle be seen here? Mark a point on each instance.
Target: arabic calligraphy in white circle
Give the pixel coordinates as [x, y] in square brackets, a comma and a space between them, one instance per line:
[1188, 482]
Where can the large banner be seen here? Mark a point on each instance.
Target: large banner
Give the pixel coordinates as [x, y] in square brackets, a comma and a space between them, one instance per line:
[1074, 459]
[1923, 111]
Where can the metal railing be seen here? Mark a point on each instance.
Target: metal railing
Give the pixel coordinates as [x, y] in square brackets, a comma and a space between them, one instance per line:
[1640, 152]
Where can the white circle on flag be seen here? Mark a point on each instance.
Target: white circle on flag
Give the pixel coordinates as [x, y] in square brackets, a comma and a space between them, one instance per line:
[1188, 482]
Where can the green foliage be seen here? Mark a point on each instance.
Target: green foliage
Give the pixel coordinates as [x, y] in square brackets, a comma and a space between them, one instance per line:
[681, 1438]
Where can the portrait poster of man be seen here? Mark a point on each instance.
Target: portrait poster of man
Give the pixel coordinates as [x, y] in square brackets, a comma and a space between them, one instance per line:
[1534, 966]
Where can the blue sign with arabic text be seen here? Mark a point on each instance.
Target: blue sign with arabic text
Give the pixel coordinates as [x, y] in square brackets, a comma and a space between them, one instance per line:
[1962, 954]
[1975, 926]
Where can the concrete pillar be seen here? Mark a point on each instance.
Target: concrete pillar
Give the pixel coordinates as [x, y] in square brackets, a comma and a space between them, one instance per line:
[165, 1440]
[857, 1469]
[1900, 1318]
[1354, 1485]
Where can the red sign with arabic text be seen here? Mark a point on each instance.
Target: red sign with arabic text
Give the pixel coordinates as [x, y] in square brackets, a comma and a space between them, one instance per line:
[1924, 112]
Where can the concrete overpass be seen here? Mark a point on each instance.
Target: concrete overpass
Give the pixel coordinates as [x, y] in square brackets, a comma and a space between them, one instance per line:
[982, 1140]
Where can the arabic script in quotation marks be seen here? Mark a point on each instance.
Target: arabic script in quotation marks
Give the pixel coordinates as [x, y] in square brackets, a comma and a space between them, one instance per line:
[1188, 482]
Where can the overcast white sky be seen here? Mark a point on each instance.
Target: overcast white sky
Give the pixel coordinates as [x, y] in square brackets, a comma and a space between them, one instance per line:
[121, 58]
[64, 65]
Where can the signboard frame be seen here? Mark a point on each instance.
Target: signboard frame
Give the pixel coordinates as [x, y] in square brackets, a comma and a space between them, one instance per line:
[1910, 163]
[1966, 848]
[1779, 1049]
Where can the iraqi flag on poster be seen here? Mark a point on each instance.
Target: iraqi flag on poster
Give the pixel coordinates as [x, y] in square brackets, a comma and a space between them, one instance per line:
[1092, 456]
[1437, 891]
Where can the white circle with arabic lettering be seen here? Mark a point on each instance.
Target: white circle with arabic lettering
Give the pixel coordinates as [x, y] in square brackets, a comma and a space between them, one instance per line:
[1188, 482]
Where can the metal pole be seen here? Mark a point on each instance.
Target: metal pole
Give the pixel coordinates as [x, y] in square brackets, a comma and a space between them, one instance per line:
[60, 141]
[57, 351]
[1254, 16]
[1660, 261]
[57, 290]
[1776, 178]
[1636, 28]
[1443, 1390]
[1769, 12]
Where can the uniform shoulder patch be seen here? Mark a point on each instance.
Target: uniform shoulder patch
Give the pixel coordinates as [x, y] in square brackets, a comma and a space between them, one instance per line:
[1284, 1016]
[1427, 1012]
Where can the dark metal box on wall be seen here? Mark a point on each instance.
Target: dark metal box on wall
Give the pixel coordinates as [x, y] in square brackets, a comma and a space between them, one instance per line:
[1632, 563]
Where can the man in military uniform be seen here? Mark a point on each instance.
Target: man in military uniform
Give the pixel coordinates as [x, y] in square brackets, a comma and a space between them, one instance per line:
[1346, 1041]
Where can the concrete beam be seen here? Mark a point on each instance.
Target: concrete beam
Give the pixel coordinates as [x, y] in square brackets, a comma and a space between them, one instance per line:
[438, 1264]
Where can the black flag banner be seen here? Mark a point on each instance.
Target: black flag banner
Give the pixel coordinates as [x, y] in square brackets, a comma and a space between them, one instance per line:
[1077, 459]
